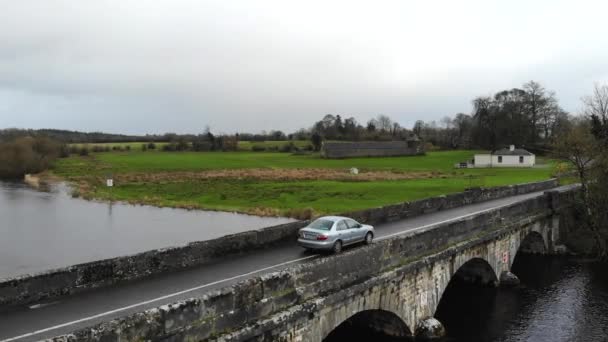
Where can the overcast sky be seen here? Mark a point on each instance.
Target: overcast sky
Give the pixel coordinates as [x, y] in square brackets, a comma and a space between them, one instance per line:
[177, 66]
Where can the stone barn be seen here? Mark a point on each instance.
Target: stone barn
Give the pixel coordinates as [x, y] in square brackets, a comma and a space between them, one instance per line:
[351, 149]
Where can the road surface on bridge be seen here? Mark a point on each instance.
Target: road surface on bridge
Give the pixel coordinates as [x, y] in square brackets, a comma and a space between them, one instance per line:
[66, 314]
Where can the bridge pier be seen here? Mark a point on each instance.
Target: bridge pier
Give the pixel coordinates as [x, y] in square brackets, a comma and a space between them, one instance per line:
[508, 279]
[429, 329]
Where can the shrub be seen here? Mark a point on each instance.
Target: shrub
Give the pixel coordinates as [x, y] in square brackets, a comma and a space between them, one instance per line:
[201, 145]
[144, 147]
[27, 155]
[289, 147]
[300, 213]
[128, 148]
[170, 147]
[151, 146]
[258, 148]
[84, 151]
[64, 151]
[316, 140]
[182, 145]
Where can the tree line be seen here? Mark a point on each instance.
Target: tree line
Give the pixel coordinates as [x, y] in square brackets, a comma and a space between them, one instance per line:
[529, 116]
[68, 137]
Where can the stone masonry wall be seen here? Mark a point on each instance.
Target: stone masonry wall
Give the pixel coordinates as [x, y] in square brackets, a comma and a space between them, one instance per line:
[31, 288]
[405, 274]
[371, 149]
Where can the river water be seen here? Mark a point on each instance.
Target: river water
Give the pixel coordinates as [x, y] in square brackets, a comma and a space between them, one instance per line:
[561, 299]
[41, 230]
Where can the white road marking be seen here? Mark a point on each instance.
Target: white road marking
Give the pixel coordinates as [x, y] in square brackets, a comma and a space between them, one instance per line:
[38, 332]
[42, 305]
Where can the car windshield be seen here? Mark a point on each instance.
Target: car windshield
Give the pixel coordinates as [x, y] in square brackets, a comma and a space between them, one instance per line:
[321, 224]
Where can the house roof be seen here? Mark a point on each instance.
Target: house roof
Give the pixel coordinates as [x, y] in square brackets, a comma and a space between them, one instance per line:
[515, 152]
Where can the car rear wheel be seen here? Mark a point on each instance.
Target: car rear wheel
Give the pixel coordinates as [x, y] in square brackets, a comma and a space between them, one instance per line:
[369, 237]
[337, 247]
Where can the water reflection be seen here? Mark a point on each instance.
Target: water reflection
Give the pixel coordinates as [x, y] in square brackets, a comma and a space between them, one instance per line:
[40, 230]
[560, 300]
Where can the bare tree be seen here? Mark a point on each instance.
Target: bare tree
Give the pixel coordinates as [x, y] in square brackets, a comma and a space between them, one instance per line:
[582, 150]
[446, 122]
[395, 128]
[536, 99]
[596, 108]
[597, 104]
[547, 114]
[579, 148]
[384, 123]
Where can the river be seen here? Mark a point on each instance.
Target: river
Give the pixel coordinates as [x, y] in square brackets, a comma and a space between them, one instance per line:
[41, 230]
[561, 299]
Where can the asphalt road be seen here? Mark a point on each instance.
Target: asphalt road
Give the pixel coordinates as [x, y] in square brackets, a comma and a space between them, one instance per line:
[66, 314]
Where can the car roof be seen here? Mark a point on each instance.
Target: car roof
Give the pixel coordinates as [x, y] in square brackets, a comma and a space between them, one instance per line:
[333, 218]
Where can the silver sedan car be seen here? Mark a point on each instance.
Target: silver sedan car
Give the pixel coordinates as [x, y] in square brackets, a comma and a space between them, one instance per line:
[331, 233]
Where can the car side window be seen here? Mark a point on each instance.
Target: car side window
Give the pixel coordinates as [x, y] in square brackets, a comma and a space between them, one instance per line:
[341, 225]
[353, 224]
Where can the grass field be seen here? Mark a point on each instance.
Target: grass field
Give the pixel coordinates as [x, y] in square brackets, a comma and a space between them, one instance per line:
[434, 175]
[135, 161]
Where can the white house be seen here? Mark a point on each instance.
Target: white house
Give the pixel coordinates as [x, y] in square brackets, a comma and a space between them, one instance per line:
[511, 157]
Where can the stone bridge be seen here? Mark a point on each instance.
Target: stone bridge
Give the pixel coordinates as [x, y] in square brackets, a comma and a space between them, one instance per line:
[394, 285]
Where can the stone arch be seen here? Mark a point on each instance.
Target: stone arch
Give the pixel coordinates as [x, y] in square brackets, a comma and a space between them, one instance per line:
[524, 266]
[475, 270]
[373, 321]
[533, 243]
[476, 275]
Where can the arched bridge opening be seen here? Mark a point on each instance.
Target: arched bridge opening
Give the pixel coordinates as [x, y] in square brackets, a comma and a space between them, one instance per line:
[533, 243]
[468, 299]
[531, 264]
[371, 325]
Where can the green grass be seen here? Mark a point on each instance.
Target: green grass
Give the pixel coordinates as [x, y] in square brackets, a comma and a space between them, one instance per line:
[322, 196]
[136, 161]
[282, 197]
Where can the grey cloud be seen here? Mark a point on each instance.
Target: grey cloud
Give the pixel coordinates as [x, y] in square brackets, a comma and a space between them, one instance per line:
[137, 67]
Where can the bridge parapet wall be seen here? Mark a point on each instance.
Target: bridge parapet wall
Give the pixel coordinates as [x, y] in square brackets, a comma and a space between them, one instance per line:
[281, 306]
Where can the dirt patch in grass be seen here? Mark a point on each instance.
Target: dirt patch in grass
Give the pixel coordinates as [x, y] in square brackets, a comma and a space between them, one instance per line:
[276, 174]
